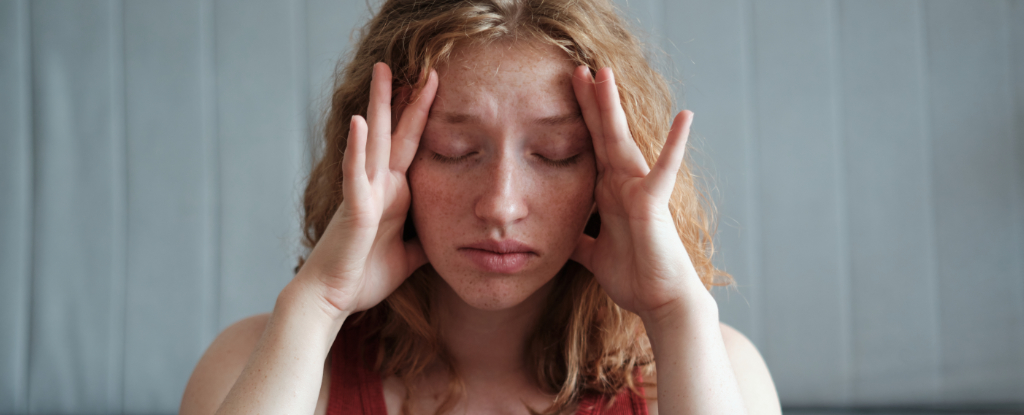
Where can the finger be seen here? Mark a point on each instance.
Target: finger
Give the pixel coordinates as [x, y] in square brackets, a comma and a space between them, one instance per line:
[583, 85]
[353, 163]
[662, 178]
[584, 252]
[378, 117]
[623, 153]
[410, 127]
[354, 159]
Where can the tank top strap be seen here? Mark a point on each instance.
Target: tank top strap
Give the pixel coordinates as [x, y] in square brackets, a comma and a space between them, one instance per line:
[625, 403]
[355, 387]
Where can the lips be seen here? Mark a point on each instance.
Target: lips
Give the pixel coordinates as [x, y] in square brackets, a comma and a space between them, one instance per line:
[500, 257]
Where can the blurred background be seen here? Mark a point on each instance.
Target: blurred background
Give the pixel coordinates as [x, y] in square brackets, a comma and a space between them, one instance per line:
[866, 157]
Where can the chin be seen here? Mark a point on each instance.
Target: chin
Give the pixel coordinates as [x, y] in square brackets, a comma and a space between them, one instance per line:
[495, 293]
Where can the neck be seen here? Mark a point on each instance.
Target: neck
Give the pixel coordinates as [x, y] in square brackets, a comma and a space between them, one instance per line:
[488, 345]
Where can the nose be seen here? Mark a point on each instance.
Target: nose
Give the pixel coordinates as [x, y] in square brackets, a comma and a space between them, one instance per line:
[502, 203]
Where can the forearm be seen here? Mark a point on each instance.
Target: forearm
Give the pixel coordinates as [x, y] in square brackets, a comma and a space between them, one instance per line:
[695, 375]
[284, 372]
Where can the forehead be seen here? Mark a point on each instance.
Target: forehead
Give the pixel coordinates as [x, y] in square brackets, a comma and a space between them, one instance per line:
[506, 78]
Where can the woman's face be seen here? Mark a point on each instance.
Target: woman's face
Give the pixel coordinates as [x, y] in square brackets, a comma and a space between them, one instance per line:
[503, 181]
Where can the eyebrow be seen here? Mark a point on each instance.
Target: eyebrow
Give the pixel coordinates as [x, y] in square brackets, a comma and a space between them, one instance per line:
[461, 118]
[570, 118]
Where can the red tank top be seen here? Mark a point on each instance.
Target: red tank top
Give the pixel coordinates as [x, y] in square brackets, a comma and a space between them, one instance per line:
[357, 389]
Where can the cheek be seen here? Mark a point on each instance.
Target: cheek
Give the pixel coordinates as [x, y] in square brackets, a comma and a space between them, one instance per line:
[433, 196]
[569, 201]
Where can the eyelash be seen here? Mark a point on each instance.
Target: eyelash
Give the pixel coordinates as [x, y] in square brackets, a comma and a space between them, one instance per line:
[566, 162]
[451, 160]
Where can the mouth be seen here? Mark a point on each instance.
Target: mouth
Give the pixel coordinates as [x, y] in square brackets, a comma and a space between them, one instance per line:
[499, 257]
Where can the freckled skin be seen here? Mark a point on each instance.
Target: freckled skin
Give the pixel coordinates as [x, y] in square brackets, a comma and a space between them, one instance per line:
[504, 174]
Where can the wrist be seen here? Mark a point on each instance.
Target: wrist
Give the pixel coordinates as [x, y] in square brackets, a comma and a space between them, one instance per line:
[310, 290]
[301, 309]
[686, 315]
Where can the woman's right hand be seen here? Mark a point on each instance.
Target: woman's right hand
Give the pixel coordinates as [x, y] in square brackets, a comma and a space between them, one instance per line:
[358, 261]
[361, 258]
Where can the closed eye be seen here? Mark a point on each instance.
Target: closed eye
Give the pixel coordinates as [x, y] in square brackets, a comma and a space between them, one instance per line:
[451, 160]
[566, 162]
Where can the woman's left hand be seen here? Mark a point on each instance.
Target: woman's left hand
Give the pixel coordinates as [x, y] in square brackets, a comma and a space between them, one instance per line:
[638, 258]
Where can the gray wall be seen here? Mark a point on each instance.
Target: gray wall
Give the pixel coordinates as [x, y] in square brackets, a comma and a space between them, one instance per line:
[867, 159]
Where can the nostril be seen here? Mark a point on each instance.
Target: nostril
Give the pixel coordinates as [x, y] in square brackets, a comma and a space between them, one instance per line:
[501, 205]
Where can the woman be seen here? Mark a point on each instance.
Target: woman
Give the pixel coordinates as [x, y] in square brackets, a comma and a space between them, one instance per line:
[449, 269]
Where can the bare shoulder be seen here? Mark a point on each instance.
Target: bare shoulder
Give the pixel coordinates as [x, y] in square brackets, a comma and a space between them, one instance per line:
[751, 372]
[220, 366]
